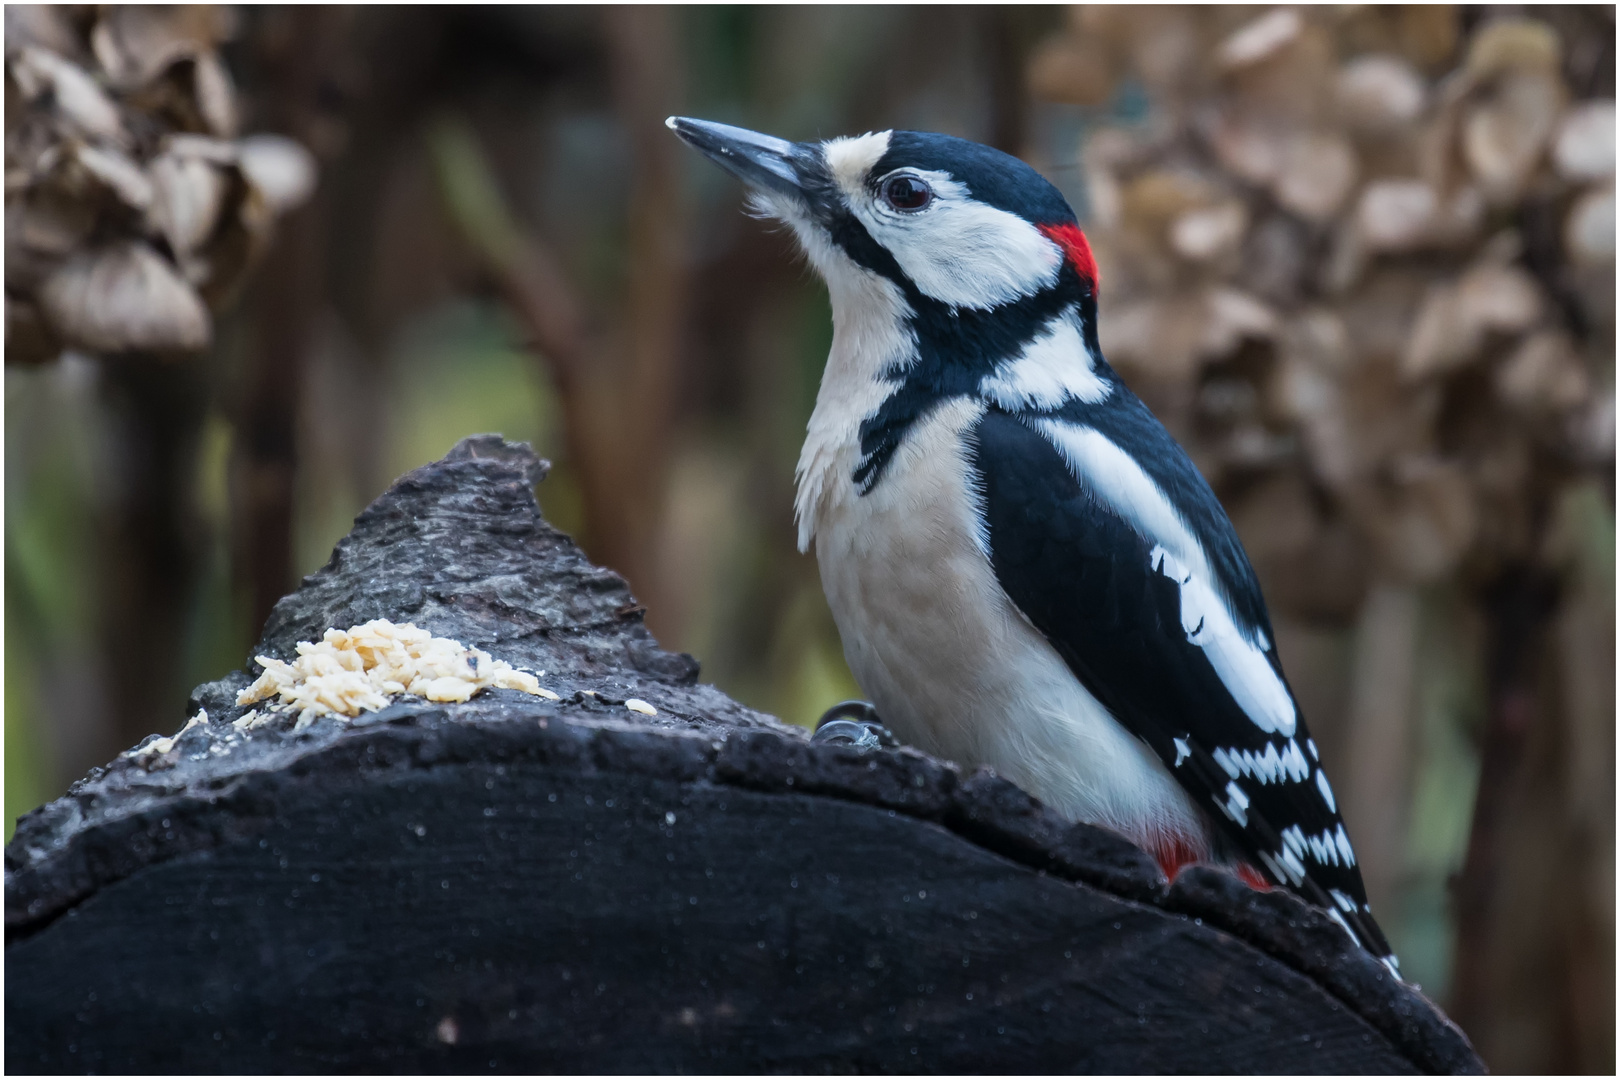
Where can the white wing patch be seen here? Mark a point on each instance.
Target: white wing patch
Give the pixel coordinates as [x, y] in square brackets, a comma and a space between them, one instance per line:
[1053, 368]
[1115, 478]
[1241, 665]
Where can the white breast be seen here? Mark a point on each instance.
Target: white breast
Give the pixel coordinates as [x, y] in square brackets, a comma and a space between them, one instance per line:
[952, 666]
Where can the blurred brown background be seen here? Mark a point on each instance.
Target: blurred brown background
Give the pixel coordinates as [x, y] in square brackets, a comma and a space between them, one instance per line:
[1360, 260]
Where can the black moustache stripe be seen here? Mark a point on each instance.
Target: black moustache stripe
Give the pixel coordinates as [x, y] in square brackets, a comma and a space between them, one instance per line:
[956, 349]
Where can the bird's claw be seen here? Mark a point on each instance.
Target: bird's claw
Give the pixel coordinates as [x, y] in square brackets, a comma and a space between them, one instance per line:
[853, 723]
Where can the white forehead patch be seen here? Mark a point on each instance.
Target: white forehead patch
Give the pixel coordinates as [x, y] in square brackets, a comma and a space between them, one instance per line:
[850, 159]
[959, 251]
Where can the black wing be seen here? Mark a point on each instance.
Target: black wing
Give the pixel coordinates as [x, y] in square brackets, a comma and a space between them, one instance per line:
[1093, 579]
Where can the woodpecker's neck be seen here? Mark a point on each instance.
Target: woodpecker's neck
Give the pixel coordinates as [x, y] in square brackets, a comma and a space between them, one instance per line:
[897, 354]
[872, 337]
[968, 351]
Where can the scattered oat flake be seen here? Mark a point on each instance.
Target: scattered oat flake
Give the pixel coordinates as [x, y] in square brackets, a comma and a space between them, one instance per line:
[357, 670]
[158, 747]
[635, 704]
[251, 719]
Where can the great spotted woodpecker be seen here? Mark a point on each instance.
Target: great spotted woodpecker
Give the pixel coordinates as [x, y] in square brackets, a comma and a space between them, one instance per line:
[1026, 570]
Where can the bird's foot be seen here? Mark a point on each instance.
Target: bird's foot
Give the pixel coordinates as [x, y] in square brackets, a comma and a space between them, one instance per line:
[853, 723]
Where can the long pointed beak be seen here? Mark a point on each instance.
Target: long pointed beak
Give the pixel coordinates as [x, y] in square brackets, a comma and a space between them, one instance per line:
[761, 160]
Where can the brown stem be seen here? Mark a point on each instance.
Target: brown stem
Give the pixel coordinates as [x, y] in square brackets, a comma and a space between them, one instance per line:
[1518, 608]
[530, 278]
[264, 455]
[617, 383]
[150, 537]
[1005, 55]
[647, 79]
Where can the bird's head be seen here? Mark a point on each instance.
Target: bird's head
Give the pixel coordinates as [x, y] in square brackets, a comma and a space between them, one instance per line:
[956, 273]
[951, 223]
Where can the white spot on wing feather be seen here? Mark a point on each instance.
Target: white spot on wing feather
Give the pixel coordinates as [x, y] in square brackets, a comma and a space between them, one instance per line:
[1336, 917]
[1326, 790]
[1343, 843]
[1236, 805]
[1294, 762]
[1323, 849]
[1295, 868]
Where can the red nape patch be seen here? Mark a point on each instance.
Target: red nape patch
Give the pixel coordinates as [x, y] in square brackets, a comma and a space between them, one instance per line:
[1075, 249]
[1252, 877]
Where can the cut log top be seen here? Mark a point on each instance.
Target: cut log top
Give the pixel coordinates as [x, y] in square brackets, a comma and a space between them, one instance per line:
[689, 830]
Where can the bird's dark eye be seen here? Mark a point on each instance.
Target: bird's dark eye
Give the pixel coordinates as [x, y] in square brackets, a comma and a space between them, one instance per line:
[907, 193]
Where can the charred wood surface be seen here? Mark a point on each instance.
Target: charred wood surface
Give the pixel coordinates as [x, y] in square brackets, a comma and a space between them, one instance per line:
[512, 884]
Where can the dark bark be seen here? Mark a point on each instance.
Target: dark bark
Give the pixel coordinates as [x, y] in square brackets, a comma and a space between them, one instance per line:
[518, 885]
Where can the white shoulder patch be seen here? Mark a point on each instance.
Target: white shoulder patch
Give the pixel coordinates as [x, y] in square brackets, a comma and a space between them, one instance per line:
[1112, 476]
[1053, 368]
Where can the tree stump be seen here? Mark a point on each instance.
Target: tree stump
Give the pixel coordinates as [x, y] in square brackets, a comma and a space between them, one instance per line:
[513, 884]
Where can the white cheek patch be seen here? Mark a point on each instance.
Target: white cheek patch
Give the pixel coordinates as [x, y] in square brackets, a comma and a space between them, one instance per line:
[960, 251]
[1054, 368]
[851, 160]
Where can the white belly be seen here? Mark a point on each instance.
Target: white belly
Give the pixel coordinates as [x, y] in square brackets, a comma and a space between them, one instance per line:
[952, 666]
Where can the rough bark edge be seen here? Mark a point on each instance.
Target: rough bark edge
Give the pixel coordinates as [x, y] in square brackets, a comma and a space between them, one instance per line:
[982, 808]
